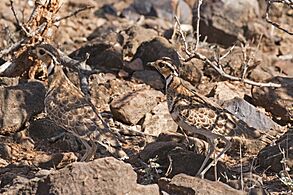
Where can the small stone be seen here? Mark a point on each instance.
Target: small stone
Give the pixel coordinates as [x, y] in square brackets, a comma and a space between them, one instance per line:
[224, 91]
[216, 26]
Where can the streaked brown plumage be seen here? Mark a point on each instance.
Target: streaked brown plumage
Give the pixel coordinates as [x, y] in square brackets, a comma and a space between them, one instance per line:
[195, 113]
[66, 105]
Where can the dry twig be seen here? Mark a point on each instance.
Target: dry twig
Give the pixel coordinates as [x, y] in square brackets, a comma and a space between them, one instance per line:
[269, 4]
[215, 64]
[73, 13]
[219, 69]
[197, 24]
[182, 35]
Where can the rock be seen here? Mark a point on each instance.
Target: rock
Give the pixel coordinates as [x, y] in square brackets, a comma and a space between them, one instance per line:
[271, 157]
[189, 162]
[101, 176]
[132, 107]
[224, 22]
[133, 37]
[8, 81]
[278, 101]
[184, 184]
[155, 49]
[250, 115]
[57, 161]
[190, 72]
[135, 65]
[249, 182]
[224, 91]
[285, 66]
[164, 9]
[22, 138]
[159, 121]
[104, 52]
[104, 27]
[150, 77]
[18, 104]
[183, 160]
[263, 73]
[21, 185]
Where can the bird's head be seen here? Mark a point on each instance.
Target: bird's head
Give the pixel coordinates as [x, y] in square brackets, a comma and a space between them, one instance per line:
[165, 66]
[49, 57]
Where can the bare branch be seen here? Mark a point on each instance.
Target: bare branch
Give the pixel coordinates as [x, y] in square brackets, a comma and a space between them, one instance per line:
[16, 18]
[216, 64]
[269, 4]
[227, 53]
[12, 48]
[197, 24]
[225, 75]
[182, 35]
[73, 13]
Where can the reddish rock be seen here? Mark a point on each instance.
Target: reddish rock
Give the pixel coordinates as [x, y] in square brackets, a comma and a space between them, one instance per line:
[132, 107]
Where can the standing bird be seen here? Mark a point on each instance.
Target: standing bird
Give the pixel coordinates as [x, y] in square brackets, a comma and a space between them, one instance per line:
[195, 113]
[67, 106]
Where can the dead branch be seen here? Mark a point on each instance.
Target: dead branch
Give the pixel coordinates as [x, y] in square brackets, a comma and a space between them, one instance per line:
[227, 53]
[74, 13]
[16, 18]
[269, 4]
[182, 35]
[197, 24]
[219, 69]
[11, 48]
[215, 64]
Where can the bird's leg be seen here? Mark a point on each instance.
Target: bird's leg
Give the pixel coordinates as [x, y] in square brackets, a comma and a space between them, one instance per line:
[88, 152]
[93, 148]
[214, 162]
[211, 149]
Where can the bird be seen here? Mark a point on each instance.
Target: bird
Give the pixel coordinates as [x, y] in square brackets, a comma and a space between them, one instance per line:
[68, 107]
[197, 114]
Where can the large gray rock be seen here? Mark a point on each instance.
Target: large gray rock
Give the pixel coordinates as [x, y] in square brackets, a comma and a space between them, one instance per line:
[249, 114]
[132, 107]
[18, 104]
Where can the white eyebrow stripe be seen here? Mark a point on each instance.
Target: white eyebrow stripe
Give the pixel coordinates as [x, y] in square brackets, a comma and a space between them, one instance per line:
[174, 70]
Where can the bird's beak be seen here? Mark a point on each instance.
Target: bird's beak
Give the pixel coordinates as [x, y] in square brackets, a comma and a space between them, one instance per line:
[151, 64]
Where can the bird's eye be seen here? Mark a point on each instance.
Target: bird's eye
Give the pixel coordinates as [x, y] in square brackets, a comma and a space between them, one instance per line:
[42, 52]
[161, 65]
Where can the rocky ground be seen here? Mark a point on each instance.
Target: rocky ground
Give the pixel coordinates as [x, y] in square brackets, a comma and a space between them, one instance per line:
[121, 38]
